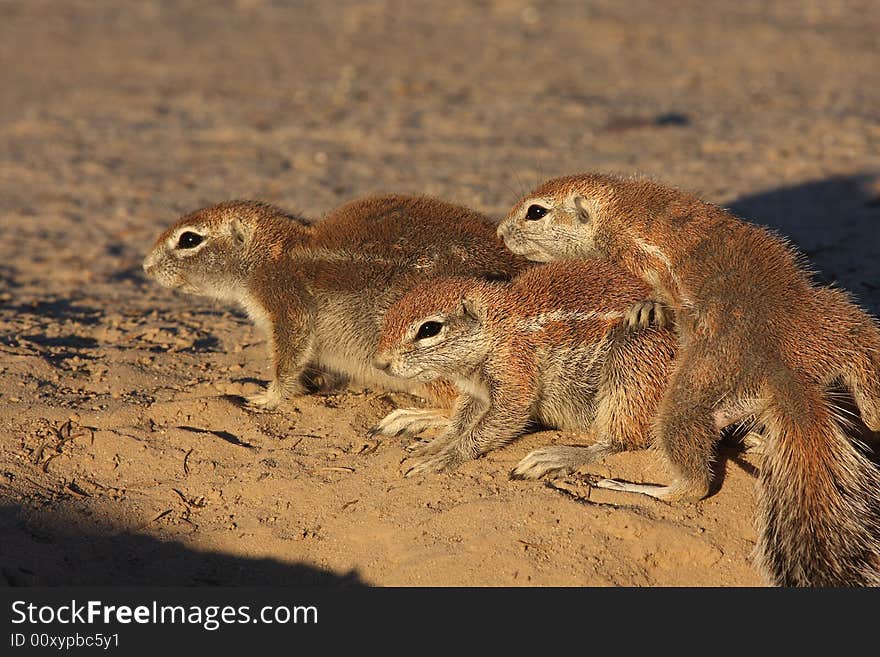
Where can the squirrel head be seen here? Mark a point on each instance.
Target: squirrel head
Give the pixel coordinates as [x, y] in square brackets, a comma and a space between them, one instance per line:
[563, 219]
[436, 330]
[210, 252]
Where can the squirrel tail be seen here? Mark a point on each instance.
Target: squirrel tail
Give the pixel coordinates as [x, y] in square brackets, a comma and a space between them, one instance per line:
[819, 495]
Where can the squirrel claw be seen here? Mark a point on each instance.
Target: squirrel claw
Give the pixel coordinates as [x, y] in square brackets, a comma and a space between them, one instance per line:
[541, 462]
[268, 400]
[411, 421]
[652, 490]
[261, 402]
[446, 460]
[437, 446]
[272, 396]
[674, 493]
[647, 313]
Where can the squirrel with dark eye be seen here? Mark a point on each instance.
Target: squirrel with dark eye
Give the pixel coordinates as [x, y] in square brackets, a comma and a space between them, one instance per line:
[553, 347]
[319, 289]
[759, 343]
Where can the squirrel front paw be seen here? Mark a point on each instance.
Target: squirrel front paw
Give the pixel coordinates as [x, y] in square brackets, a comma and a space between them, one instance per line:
[410, 421]
[647, 313]
[272, 396]
[446, 460]
[555, 461]
[267, 399]
[440, 454]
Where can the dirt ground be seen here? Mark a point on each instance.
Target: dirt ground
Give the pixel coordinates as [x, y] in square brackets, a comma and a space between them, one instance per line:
[125, 455]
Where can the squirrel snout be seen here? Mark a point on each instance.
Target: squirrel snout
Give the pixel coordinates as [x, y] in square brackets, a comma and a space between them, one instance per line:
[502, 231]
[381, 362]
[149, 262]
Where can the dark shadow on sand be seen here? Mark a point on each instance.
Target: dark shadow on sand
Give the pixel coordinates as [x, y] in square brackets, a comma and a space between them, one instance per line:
[46, 548]
[835, 222]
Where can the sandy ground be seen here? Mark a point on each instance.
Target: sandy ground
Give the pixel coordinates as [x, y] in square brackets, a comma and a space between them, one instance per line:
[125, 456]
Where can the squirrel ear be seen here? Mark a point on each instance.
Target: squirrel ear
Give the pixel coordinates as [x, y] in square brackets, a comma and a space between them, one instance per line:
[241, 231]
[472, 308]
[583, 211]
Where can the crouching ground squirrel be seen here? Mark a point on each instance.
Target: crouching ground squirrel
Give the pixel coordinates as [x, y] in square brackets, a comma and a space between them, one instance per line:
[552, 347]
[319, 290]
[759, 343]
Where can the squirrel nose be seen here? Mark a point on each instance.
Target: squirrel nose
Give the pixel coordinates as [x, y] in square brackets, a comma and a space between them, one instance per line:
[502, 231]
[149, 262]
[381, 362]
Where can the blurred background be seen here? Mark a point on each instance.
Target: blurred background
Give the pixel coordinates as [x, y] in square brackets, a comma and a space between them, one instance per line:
[117, 116]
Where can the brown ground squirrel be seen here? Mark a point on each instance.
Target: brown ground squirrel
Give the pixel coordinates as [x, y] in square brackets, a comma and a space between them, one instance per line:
[320, 289]
[552, 347]
[759, 342]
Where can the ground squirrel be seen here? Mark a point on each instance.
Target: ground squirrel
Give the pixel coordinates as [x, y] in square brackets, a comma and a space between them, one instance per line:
[319, 290]
[552, 347]
[759, 342]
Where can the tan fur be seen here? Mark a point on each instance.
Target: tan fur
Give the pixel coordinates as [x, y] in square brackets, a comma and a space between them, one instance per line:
[550, 347]
[320, 289]
[759, 341]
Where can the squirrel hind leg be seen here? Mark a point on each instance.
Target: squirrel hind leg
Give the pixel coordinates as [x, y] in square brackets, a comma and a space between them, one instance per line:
[679, 491]
[687, 427]
[656, 491]
[693, 460]
[856, 356]
[411, 422]
[559, 460]
[865, 386]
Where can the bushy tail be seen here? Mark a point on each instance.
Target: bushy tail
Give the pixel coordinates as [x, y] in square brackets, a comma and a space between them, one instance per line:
[819, 499]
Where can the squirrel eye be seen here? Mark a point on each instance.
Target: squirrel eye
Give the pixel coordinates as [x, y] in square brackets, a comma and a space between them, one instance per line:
[428, 330]
[189, 240]
[535, 212]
